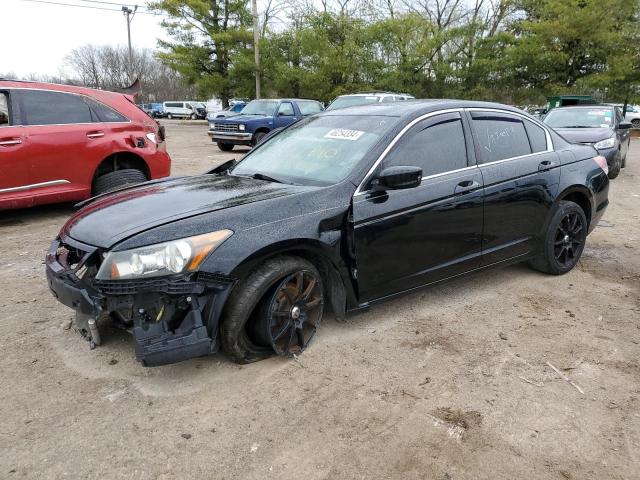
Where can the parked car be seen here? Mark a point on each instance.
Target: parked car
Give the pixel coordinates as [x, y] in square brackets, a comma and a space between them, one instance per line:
[257, 119]
[191, 110]
[344, 101]
[60, 143]
[632, 115]
[599, 125]
[200, 109]
[230, 111]
[154, 110]
[335, 212]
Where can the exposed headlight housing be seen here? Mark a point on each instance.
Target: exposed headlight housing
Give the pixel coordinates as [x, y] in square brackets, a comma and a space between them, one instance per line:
[606, 143]
[168, 258]
[241, 127]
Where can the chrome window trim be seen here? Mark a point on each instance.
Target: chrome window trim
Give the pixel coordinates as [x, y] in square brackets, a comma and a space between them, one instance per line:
[129, 121]
[34, 185]
[359, 191]
[396, 139]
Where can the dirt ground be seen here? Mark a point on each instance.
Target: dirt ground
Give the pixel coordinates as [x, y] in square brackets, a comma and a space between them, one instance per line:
[449, 383]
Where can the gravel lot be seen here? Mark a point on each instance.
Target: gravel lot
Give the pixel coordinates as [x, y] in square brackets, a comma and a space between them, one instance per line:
[447, 383]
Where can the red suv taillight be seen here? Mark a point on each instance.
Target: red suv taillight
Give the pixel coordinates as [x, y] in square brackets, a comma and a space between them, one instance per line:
[602, 163]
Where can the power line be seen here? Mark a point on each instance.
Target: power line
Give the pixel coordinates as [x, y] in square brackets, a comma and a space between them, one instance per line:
[110, 3]
[48, 2]
[71, 5]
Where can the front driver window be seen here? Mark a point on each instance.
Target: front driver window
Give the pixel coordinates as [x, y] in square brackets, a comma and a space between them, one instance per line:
[286, 109]
[436, 148]
[4, 110]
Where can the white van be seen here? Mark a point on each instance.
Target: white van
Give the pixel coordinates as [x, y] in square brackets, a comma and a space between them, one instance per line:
[180, 110]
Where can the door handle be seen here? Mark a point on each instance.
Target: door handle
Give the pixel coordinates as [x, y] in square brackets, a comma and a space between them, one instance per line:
[7, 142]
[546, 165]
[96, 134]
[466, 186]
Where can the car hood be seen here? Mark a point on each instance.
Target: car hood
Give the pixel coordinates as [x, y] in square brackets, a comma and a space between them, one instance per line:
[115, 217]
[585, 135]
[243, 118]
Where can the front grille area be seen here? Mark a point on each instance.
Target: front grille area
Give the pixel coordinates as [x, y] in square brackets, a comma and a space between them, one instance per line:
[225, 127]
[178, 285]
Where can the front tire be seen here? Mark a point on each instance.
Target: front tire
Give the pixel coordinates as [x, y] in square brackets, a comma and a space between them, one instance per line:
[169, 116]
[616, 165]
[257, 138]
[225, 147]
[564, 240]
[277, 309]
[193, 116]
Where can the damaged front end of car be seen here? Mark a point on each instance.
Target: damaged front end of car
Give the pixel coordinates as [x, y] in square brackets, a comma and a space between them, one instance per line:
[156, 292]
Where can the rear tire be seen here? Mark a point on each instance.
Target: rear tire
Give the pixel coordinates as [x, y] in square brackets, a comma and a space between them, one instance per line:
[635, 123]
[118, 179]
[226, 147]
[564, 240]
[245, 309]
[169, 116]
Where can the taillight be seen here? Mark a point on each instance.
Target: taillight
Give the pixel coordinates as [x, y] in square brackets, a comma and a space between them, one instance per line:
[602, 163]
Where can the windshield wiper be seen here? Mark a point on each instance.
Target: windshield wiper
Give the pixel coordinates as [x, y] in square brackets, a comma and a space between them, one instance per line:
[262, 176]
[578, 126]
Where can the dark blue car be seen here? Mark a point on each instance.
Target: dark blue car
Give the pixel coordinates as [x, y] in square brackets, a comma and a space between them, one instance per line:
[257, 119]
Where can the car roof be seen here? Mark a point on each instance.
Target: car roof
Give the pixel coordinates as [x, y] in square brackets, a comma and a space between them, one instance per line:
[285, 100]
[417, 107]
[601, 106]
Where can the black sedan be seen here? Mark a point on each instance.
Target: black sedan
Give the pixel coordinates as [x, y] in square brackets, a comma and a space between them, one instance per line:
[338, 211]
[602, 126]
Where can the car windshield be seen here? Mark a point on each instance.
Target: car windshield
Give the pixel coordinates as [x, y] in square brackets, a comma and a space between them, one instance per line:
[592, 117]
[260, 107]
[317, 151]
[352, 100]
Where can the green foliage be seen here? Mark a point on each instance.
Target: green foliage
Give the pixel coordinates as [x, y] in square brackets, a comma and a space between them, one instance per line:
[516, 51]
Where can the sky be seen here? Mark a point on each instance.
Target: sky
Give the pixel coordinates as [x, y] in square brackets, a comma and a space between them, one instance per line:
[37, 36]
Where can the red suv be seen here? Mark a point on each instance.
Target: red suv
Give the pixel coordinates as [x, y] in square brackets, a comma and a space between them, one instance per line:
[62, 143]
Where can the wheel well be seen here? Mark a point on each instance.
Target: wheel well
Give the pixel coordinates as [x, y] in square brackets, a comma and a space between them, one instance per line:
[262, 129]
[582, 201]
[334, 286]
[121, 161]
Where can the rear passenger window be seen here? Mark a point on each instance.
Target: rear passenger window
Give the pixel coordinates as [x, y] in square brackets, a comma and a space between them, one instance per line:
[4, 109]
[500, 137]
[436, 148]
[104, 113]
[537, 137]
[41, 107]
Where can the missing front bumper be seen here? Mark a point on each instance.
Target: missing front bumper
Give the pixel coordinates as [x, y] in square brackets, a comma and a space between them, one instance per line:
[172, 319]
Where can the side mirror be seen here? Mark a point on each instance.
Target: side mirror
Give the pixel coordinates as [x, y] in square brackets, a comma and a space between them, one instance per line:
[397, 178]
[625, 125]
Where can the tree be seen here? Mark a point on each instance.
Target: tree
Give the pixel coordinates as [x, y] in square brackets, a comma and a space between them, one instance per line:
[210, 41]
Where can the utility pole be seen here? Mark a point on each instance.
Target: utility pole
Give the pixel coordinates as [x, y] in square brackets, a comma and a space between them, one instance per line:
[256, 46]
[129, 17]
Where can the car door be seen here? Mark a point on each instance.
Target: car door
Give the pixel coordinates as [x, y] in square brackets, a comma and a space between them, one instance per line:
[521, 175]
[65, 142]
[623, 134]
[15, 181]
[285, 115]
[407, 238]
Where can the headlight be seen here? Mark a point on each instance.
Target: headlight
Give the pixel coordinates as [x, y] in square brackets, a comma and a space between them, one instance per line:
[152, 137]
[606, 143]
[241, 127]
[184, 255]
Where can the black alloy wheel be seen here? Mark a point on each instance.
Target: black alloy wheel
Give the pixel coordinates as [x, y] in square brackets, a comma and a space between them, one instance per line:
[569, 240]
[292, 314]
[564, 240]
